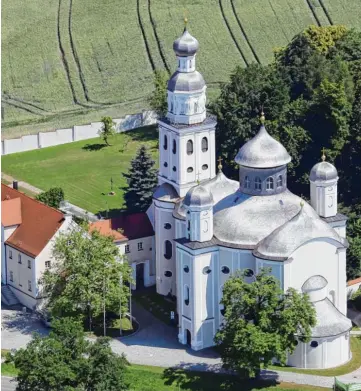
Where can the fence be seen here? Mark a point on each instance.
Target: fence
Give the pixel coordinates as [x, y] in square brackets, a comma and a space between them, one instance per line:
[76, 133]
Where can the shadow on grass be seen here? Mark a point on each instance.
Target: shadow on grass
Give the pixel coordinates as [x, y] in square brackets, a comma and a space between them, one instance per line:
[146, 133]
[111, 213]
[212, 377]
[94, 147]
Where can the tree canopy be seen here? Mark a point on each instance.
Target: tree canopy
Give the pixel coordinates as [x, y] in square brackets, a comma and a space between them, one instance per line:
[261, 322]
[107, 130]
[52, 197]
[158, 99]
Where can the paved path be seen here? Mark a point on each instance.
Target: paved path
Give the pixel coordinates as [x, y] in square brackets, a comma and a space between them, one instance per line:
[156, 344]
[7, 383]
[22, 184]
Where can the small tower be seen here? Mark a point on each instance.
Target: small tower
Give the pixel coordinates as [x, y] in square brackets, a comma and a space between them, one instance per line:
[323, 188]
[199, 204]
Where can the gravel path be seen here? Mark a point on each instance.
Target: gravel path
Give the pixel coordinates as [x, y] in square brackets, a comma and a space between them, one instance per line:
[22, 184]
[156, 344]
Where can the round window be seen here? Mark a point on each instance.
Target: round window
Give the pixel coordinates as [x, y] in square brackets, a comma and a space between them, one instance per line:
[205, 167]
[206, 270]
[186, 269]
[190, 169]
[165, 164]
[225, 269]
[168, 273]
[314, 344]
[249, 273]
[167, 226]
[295, 342]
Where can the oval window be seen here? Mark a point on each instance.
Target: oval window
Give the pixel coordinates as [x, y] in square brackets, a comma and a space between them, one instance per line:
[314, 344]
[174, 168]
[168, 273]
[206, 270]
[225, 269]
[249, 273]
[190, 169]
[186, 269]
[205, 167]
[167, 226]
[168, 251]
[165, 164]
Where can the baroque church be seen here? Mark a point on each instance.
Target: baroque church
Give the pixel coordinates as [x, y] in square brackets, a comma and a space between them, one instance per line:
[207, 226]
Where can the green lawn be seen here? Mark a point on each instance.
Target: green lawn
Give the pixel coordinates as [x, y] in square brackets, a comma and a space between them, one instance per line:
[147, 378]
[84, 168]
[351, 366]
[69, 62]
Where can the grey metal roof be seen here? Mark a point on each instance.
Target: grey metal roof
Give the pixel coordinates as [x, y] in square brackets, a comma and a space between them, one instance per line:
[323, 171]
[337, 217]
[330, 321]
[244, 220]
[180, 81]
[314, 283]
[262, 151]
[166, 192]
[185, 45]
[284, 240]
[198, 196]
[210, 243]
[210, 120]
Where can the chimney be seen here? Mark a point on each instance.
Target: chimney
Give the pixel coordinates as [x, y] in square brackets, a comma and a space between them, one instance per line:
[15, 185]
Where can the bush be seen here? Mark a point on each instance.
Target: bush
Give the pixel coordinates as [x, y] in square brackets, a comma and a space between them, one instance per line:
[52, 197]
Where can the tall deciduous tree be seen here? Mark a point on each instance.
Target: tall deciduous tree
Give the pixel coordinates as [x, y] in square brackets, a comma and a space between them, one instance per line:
[158, 98]
[107, 130]
[141, 179]
[261, 322]
[86, 275]
[52, 197]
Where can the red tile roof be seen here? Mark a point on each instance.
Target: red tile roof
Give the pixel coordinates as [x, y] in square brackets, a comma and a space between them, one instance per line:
[353, 282]
[39, 222]
[11, 212]
[134, 226]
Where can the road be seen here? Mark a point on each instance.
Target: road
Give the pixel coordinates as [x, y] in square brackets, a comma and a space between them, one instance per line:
[7, 384]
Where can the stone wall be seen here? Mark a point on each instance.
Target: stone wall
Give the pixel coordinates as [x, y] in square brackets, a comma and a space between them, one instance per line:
[76, 133]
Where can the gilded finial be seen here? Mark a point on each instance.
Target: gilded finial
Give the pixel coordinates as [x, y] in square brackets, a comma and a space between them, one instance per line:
[185, 19]
[198, 175]
[323, 157]
[220, 164]
[262, 118]
[302, 204]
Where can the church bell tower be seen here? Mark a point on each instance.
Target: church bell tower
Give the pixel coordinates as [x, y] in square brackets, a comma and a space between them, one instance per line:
[187, 133]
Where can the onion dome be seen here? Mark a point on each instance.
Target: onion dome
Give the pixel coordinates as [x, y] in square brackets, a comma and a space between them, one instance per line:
[181, 81]
[314, 283]
[186, 45]
[323, 171]
[166, 192]
[303, 227]
[262, 151]
[198, 196]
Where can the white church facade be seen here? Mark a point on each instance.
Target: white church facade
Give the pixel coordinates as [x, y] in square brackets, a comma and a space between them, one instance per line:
[207, 226]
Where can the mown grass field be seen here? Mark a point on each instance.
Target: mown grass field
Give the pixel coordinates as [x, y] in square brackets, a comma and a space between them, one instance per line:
[70, 62]
[84, 168]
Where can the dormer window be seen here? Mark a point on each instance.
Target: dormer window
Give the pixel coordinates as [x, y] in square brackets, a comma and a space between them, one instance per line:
[247, 182]
[204, 144]
[269, 183]
[258, 183]
[189, 147]
[279, 181]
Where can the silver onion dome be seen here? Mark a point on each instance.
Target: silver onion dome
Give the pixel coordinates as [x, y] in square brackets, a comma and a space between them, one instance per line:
[262, 151]
[198, 196]
[186, 81]
[323, 171]
[186, 45]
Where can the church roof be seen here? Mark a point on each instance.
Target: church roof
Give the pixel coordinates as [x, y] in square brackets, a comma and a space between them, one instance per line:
[262, 151]
[166, 192]
[243, 220]
[181, 81]
[186, 45]
[198, 196]
[303, 227]
[323, 171]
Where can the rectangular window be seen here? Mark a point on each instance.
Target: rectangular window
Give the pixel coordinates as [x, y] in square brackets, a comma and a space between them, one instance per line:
[127, 249]
[47, 264]
[12, 276]
[10, 254]
[19, 258]
[140, 246]
[29, 264]
[29, 285]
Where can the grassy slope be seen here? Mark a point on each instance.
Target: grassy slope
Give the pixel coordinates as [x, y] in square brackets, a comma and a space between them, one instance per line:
[106, 68]
[83, 174]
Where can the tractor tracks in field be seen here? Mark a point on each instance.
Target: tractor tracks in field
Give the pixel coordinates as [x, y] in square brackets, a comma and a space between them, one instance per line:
[146, 44]
[18, 106]
[326, 12]
[310, 6]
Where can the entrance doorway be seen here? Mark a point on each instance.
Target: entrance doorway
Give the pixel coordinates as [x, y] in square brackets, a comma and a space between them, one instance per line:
[139, 276]
[189, 337]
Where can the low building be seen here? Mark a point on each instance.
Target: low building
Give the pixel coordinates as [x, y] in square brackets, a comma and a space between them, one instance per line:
[28, 231]
[134, 236]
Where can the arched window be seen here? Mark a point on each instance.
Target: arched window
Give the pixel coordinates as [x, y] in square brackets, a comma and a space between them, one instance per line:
[171, 106]
[314, 344]
[186, 269]
[189, 147]
[168, 250]
[196, 107]
[279, 181]
[269, 183]
[165, 143]
[204, 144]
[174, 147]
[190, 63]
[258, 183]
[186, 294]
[247, 182]
[332, 296]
